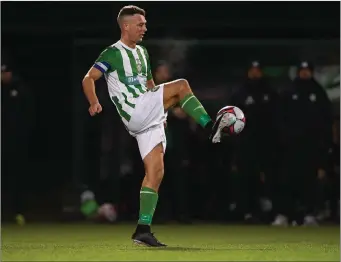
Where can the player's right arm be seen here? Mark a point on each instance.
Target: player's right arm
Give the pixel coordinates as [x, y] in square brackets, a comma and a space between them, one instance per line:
[89, 84]
[103, 64]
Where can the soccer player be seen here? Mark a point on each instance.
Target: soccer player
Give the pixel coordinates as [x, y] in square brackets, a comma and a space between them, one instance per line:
[143, 108]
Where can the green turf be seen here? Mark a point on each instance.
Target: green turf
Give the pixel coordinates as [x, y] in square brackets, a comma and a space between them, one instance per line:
[197, 242]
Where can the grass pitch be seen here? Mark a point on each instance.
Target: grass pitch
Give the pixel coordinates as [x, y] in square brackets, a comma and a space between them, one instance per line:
[194, 242]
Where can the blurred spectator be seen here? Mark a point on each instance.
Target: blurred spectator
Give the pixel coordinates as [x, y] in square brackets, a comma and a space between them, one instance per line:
[162, 73]
[17, 125]
[306, 119]
[177, 164]
[255, 150]
[111, 132]
[174, 190]
[103, 180]
[335, 171]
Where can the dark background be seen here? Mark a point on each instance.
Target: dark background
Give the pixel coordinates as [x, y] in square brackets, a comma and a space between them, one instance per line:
[52, 44]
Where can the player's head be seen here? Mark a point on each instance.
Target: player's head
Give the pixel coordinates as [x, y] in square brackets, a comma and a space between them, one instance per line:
[132, 22]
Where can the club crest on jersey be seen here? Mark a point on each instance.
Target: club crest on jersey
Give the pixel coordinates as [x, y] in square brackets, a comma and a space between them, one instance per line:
[139, 66]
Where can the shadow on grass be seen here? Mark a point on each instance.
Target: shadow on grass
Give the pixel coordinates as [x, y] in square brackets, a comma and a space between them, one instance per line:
[191, 249]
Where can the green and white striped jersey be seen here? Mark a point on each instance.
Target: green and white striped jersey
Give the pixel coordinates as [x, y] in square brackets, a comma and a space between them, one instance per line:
[126, 71]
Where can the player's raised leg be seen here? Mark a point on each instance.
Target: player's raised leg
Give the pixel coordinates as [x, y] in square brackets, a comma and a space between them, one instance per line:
[154, 171]
[180, 92]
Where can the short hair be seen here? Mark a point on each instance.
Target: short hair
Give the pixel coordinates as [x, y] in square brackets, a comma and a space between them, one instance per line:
[130, 10]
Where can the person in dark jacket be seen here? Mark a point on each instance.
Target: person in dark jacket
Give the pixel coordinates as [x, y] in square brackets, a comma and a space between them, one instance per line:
[335, 172]
[306, 138]
[17, 106]
[256, 145]
[174, 187]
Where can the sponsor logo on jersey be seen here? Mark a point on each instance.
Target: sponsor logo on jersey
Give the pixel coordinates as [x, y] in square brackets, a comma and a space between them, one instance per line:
[135, 80]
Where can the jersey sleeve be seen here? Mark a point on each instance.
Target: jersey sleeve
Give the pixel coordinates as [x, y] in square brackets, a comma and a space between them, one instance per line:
[149, 71]
[106, 61]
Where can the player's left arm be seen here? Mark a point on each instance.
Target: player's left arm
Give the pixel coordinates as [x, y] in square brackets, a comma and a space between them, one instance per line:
[150, 83]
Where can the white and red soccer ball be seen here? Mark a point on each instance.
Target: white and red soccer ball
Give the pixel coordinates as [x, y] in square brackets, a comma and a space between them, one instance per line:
[237, 120]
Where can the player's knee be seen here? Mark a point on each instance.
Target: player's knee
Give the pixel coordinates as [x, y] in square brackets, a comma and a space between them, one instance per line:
[155, 173]
[184, 86]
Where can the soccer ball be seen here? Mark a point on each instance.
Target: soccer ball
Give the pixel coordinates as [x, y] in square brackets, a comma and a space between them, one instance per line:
[238, 120]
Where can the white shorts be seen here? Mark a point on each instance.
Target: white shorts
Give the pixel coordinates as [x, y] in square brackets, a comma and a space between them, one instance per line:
[147, 121]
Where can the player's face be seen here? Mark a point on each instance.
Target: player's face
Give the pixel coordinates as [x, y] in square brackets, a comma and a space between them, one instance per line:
[163, 73]
[255, 73]
[137, 28]
[305, 73]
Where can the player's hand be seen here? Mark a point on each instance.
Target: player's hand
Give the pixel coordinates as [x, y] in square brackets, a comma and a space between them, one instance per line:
[95, 109]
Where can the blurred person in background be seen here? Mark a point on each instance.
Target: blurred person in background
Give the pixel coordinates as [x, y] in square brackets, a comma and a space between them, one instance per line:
[256, 146]
[174, 189]
[162, 72]
[335, 172]
[306, 134]
[106, 184]
[17, 125]
[110, 158]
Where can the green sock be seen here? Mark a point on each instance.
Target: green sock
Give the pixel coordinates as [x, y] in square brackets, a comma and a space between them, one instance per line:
[192, 106]
[148, 202]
